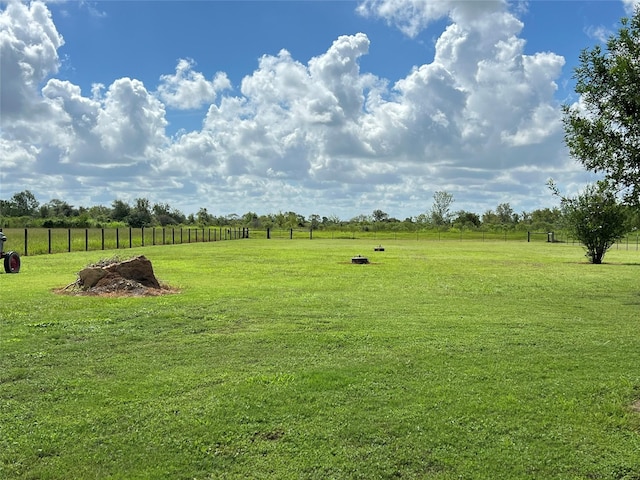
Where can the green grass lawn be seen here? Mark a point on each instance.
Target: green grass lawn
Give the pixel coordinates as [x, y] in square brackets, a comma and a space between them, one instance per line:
[280, 359]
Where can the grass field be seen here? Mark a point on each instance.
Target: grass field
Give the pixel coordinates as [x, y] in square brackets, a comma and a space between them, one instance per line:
[280, 359]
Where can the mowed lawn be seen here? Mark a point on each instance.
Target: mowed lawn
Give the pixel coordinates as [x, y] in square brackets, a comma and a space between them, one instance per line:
[281, 359]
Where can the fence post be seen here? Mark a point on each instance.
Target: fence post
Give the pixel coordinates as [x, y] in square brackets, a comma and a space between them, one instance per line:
[102, 235]
[26, 242]
[49, 239]
[117, 238]
[528, 236]
[291, 234]
[69, 238]
[86, 239]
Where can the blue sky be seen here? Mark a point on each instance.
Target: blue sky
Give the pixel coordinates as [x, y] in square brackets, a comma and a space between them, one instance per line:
[330, 108]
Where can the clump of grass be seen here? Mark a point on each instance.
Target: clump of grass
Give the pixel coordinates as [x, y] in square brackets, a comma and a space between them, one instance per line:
[105, 262]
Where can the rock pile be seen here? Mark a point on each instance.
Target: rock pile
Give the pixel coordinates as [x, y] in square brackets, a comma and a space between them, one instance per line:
[114, 277]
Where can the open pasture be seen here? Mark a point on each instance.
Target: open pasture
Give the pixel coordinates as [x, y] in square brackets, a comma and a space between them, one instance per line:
[281, 359]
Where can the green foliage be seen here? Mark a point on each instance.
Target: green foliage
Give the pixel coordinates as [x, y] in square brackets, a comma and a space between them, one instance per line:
[380, 216]
[595, 218]
[440, 213]
[466, 219]
[280, 359]
[603, 130]
[21, 204]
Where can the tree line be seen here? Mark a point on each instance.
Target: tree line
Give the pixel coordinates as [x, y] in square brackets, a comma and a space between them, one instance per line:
[24, 210]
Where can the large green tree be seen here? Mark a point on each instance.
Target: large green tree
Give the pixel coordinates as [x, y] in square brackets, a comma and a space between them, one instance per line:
[602, 130]
[595, 218]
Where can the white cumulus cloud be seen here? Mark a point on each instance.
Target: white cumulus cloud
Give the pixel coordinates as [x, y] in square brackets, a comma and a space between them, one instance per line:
[188, 89]
[479, 120]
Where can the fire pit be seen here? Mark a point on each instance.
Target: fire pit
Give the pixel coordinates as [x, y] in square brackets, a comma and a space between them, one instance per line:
[359, 259]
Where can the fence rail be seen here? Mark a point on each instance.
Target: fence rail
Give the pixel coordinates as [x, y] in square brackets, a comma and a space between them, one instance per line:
[37, 241]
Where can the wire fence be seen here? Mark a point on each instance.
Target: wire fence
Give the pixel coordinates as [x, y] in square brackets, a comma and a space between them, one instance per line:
[38, 241]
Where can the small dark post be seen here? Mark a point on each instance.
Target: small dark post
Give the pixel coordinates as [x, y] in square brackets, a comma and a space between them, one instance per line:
[69, 238]
[130, 238]
[311, 234]
[86, 239]
[528, 236]
[291, 234]
[268, 233]
[102, 236]
[117, 238]
[142, 234]
[26, 242]
[49, 235]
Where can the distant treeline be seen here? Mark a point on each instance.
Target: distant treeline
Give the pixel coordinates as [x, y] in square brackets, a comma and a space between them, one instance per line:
[23, 210]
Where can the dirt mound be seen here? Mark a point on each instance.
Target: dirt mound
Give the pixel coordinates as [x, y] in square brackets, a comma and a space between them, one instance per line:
[115, 277]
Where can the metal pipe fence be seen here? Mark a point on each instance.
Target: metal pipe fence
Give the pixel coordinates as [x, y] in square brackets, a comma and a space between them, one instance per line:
[37, 241]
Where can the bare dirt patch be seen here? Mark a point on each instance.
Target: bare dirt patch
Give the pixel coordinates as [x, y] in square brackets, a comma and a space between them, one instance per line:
[118, 278]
